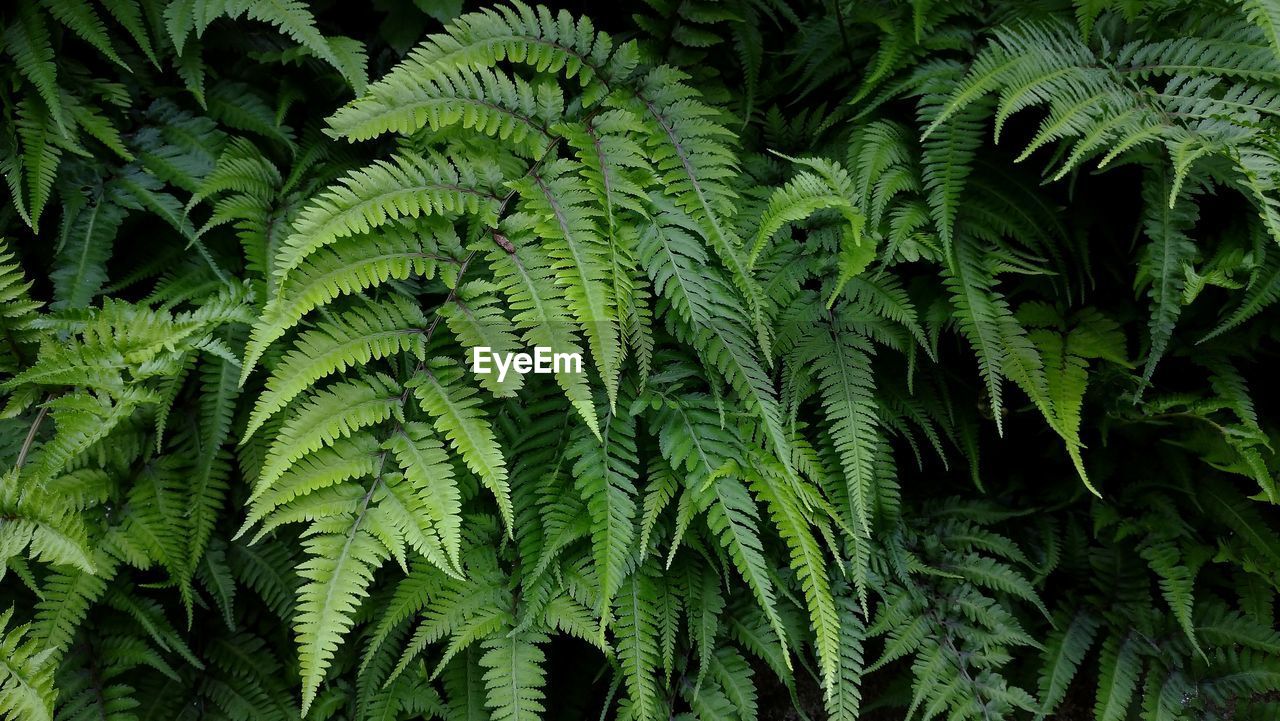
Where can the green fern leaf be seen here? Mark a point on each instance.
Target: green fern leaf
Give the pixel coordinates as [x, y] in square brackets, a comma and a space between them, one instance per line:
[408, 185]
[41, 157]
[1119, 667]
[351, 340]
[527, 278]
[844, 701]
[605, 474]
[349, 266]
[1064, 651]
[637, 642]
[29, 44]
[1166, 227]
[425, 466]
[326, 416]
[553, 210]
[336, 576]
[733, 518]
[26, 677]
[808, 562]
[454, 408]
[499, 105]
[80, 17]
[514, 676]
[1176, 584]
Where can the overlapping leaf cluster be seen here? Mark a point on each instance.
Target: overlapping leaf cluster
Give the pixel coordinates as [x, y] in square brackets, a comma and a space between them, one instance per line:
[875, 422]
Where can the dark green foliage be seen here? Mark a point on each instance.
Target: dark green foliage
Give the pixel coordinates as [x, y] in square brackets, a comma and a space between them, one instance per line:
[876, 421]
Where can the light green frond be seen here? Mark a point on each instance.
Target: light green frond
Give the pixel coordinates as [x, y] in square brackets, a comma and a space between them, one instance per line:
[946, 161]
[406, 186]
[426, 468]
[555, 209]
[717, 324]
[26, 676]
[1119, 667]
[810, 565]
[1177, 584]
[81, 420]
[733, 518]
[345, 459]
[327, 415]
[605, 474]
[350, 340]
[693, 167]
[980, 310]
[37, 524]
[827, 186]
[844, 700]
[550, 43]
[347, 267]
[514, 676]
[503, 106]
[477, 319]
[335, 578]
[541, 312]
[636, 639]
[455, 409]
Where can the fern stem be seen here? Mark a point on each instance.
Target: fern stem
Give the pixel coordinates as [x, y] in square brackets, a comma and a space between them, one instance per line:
[31, 435]
[844, 33]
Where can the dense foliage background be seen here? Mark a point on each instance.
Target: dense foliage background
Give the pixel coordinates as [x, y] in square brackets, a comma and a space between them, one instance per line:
[928, 349]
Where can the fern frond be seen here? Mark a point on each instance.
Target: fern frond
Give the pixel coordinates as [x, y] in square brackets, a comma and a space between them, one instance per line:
[521, 34]
[554, 209]
[1176, 584]
[733, 518]
[514, 676]
[692, 167]
[806, 193]
[718, 326]
[505, 107]
[455, 410]
[540, 310]
[844, 701]
[946, 160]
[637, 641]
[336, 577]
[345, 459]
[1118, 671]
[293, 18]
[219, 393]
[1166, 227]
[426, 468]
[407, 186]
[808, 561]
[350, 340]
[26, 676]
[326, 416]
[80, 18]
[28, 42]
[606, 477]
[347, 267]
[1064, 651]
[477, 319]
[18, 312]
